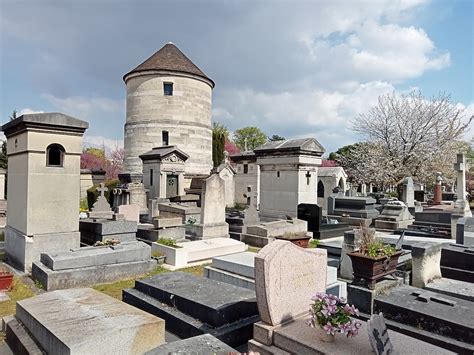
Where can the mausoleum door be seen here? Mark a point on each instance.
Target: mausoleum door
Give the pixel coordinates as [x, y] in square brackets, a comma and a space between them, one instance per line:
[171, 186]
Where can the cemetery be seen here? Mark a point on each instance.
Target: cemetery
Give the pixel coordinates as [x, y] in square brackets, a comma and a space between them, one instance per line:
[264, 251]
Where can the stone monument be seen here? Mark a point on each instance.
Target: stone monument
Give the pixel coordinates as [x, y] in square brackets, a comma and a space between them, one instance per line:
[408, 192]
[101, 207]
[461, 205]
[44, 151]
[438, 190]
[212, 224]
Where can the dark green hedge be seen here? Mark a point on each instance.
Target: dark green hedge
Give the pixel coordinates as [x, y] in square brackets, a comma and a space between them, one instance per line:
[93, 194]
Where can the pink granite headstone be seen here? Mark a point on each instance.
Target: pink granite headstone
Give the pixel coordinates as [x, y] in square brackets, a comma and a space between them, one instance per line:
[286, 277]
[129, 212]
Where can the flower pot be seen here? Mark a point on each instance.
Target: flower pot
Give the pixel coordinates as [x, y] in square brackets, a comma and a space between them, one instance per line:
[372, 269]
[6, 279]
[324, 336]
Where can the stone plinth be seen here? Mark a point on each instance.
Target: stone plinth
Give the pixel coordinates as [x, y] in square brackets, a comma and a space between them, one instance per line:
[426, 263]
[395, 215]
[85, 321]
[98, 230]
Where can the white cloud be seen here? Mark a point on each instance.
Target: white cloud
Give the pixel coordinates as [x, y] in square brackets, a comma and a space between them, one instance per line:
[85, 107]
[26, 111]
[100, 141]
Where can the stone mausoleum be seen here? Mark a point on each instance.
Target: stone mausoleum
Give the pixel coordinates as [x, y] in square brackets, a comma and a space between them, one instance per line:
[44, 152]
[169, 102]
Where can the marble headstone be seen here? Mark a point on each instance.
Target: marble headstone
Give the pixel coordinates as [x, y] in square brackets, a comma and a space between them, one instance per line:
[378, 335]
[286, 277]
[101, 208]
[213, 200]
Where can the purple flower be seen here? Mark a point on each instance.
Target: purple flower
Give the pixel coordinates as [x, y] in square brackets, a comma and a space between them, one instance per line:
[345, 328]
[318, 296]
[330, 329]
[351, 309]
[329, 309]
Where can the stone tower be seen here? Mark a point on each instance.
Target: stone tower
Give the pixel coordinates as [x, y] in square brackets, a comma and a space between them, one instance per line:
[169, 101]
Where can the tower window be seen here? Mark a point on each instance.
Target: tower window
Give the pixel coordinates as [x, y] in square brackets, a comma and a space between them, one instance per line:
[168, 89]
[165, 137]
[55, 155]
[246, 169]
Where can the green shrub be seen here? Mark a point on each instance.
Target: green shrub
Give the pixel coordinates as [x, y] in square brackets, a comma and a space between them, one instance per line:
[169, 242]
[93, 194]
[314, 243]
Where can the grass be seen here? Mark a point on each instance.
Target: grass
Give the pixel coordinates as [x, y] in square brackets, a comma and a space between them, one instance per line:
[253, 249]
[114, 289]
[19, 291]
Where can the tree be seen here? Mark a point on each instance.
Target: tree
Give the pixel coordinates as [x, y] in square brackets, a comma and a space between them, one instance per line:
[275, 138]
[410, 135]
[219, 136]
[249, 138]
[3, 156]
[231, 148]
[13, 115]
[95, 159]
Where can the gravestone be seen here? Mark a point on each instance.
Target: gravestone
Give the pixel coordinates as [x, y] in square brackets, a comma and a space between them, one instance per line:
[213, 224]
[408, 192]
[457, 262]
[83, 321]
[129, 212]
[395, 215]
[378, 335]
[438, 190]
[313, 214]
[465, 231]
[286, 277]
[251, 214]
[101, 207]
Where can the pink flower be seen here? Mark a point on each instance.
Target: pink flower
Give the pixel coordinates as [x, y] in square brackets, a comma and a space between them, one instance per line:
[329, 329]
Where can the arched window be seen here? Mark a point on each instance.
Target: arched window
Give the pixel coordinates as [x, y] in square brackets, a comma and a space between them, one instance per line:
[54, 155]
[341, 183]
[320, 189]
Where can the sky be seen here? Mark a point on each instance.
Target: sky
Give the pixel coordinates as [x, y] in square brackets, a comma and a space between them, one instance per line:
[292, 68]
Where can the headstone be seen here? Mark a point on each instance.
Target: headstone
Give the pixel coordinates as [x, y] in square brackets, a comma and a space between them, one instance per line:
[130, 212]
[286, 277]
[426, 258]
[213, 224]
[408, 192]
[313, 214]
[251, 214]
[101, 208]
[438, 191]
[378, 335]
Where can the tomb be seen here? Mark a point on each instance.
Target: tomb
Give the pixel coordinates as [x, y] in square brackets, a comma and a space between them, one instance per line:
[352, 210]
[43, 152]
[81, 321]
[162, 227]
[247, 174]
[395, 215]
[313, 214]
[163, 171]
[188, 214]
[431, 223]
[185, 253]
[457, 262]
[238, 269]
[212, 223]
[288, 175]
[92, 265]
[90, 178]
[226, 173]
[99, 230]
[200, 344]
[328, 179]
[465, 231]
[193, 305]
[131, 191]
[261, 234]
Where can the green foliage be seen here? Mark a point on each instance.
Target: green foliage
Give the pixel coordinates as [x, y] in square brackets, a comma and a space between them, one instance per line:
[314, 243]
[169, 242]
[83, 206]
[98, 152]
[275, 138]
[3, 156]
[377, 248]
[219, 136]
[93, 194]
[249, 138]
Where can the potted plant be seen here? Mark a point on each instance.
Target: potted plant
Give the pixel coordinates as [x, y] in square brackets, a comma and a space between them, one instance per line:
[330, 315]
[6, 279]
[373, 259]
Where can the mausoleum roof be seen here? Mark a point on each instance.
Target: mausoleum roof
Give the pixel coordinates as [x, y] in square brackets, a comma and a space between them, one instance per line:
[248, 155]
[52, 120]
[303, 145]
[162, 152]
[331, 171]
[169, 58]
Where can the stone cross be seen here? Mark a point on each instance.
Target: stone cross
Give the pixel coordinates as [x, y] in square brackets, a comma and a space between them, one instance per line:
[426, 297]
[460, 168]
[102, 189]
[408, 193]
[308, 177]
[252, 195]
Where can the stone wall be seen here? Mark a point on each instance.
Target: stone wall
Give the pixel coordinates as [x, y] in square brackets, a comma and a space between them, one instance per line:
[242, 181]
[186, 115]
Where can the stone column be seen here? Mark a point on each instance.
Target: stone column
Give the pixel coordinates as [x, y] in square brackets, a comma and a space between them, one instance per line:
[426, 263]
[345, 264]
[461, 205]
[181, 185]
[408, 193]
[438, 191]
[363, 189]
[2, 184]
[163, 183]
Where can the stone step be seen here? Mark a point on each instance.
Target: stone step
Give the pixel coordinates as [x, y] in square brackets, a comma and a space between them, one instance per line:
[433, 312]
[18, 339]
[212, 302]
[186, 326]
[263, 349]
[457, 274]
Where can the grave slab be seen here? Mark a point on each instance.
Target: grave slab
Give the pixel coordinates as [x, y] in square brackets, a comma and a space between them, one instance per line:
[454, 288]
[201, 344]
[85, 321]
[433, 312]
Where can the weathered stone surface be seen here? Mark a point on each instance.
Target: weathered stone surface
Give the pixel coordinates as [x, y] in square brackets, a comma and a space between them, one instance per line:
[454, 288]
[167, 222]
[171, 209]
[278, 228]
[107, 227]
[426, 259]
[130, 212]
[201, 344]
[286, 277]
[85, 321]
[96, 256]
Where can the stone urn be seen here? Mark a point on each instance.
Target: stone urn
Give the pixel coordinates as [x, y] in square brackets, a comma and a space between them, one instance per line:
[324, 336]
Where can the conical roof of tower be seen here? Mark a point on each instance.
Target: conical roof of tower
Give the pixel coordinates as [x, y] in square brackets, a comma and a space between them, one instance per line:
[169, 58]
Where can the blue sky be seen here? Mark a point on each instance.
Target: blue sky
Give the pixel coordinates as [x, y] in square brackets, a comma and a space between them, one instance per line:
[293, 68]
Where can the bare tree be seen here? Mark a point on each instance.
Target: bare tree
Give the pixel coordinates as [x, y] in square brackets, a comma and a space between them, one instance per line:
[417, 136]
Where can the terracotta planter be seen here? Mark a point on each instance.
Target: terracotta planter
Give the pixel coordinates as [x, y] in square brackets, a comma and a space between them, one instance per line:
[372, 269]
[325, 337]
[6, 279]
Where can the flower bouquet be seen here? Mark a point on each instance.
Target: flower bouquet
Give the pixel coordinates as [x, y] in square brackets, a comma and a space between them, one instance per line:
[332, 315]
